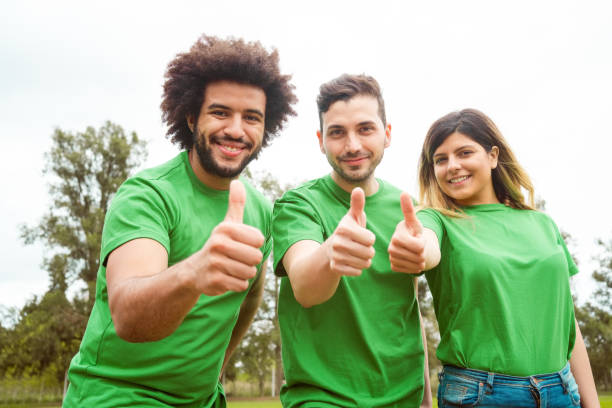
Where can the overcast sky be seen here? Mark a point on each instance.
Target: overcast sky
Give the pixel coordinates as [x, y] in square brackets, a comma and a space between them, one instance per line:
[540, 69]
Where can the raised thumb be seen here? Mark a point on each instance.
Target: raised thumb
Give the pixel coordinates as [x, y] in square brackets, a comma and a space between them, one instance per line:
[410, 214]
[357, 205]
[237, 199]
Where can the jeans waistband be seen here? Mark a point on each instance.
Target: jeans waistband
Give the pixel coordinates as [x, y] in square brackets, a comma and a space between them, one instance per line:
[490, 377]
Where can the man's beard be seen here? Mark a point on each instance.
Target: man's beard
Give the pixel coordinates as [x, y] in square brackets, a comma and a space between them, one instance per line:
[350, 178]
[208, 162]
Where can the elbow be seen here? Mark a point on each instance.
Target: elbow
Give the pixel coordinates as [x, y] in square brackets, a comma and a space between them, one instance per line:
[305, 303]
[131, 334]
[306, 300]
[124, 333]
[127, 329]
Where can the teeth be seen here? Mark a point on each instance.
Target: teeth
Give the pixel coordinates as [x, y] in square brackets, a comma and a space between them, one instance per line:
[458, 179]
[231, 148]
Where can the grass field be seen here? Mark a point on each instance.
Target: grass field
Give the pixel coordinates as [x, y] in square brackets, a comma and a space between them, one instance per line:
[605, 399]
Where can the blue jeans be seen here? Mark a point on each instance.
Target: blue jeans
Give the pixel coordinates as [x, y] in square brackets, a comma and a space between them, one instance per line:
[464, 387]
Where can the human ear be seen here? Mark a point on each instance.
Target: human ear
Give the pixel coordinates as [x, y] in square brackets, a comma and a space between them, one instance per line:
[493, 155]
[320, 137]
[388, 135]
[190, 122]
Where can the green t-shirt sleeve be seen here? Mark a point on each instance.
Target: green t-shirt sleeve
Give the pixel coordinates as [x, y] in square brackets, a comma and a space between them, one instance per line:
[572, 268]
[267, 247]
[138, 210]
[293, 220]
[432, 220]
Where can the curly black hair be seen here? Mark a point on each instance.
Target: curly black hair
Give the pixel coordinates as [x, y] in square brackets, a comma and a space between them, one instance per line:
[213, 59]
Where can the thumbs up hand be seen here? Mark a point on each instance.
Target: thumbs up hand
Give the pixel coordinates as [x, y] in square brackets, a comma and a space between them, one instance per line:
[229, 257]
[407, 247]
[350, 248]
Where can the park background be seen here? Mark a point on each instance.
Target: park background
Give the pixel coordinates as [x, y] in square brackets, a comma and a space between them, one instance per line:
[540, 70]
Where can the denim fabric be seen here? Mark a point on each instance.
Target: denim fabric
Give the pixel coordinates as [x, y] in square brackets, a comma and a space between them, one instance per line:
[462, 387]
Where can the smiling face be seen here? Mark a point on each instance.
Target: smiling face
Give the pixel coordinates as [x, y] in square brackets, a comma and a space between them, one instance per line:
[228, 132]
[353, 140]
[463, 170]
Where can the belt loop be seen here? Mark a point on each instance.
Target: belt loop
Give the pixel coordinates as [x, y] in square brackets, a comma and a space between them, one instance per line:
[490, 378]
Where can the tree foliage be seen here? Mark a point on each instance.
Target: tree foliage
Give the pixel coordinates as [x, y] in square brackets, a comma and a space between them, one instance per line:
[86, 169]
[260, 351]
[595, 319]
[47, 334]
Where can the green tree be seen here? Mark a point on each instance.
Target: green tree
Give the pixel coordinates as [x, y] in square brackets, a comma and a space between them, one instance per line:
[595, 319]
[86, 169]
[260, 351]
[44, 339]
[432, 331]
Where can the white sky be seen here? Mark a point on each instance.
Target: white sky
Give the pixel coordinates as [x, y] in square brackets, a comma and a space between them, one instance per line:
[540, 69]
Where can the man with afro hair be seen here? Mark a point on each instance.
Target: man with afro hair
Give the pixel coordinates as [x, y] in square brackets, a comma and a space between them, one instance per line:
[185, 243]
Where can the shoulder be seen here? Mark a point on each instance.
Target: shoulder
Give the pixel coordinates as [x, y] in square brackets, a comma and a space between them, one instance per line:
[162, 178]
[388, 188]
[310, 190]
[541, 218]
[164, 175]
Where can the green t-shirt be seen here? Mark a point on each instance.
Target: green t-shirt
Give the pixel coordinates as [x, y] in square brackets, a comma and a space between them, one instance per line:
[501, 291]
[169, 204]
[362, 347]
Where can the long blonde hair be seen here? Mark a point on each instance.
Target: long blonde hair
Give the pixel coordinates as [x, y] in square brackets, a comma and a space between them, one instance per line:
[508, 177]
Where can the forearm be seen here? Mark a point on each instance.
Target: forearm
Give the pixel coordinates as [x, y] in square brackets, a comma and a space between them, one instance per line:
[150, 308]
[581, 369]
[308, 267]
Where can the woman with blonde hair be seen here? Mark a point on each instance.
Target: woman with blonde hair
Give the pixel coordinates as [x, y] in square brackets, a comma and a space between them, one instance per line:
[498, 271]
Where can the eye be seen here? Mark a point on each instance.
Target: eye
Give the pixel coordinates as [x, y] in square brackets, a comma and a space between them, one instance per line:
[366, 129]
[218, 112]
[335, 132]
[440, 160]
[465, 153]
[253, 118]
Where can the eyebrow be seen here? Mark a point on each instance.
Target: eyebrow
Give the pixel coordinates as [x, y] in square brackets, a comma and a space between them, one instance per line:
[220, 106]
[332, 127]
[456, 150]
[366, 122]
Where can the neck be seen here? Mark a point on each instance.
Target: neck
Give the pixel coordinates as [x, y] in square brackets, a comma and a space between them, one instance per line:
[210, 180]
[369, 185]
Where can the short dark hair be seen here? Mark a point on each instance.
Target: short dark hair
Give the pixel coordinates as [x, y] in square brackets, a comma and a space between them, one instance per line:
[212, 59]
[346, 87]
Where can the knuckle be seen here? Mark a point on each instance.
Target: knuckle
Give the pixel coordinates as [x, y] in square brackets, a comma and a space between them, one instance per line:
[251, 272]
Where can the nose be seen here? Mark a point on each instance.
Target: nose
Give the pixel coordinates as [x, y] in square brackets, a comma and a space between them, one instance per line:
[353, 143]
[453, 163]
[234, 127]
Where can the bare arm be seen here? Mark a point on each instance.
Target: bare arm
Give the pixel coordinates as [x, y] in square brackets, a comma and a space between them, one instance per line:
[581, 369]
[309, 273]
[148, 300]
[315, 269]
[247, 313]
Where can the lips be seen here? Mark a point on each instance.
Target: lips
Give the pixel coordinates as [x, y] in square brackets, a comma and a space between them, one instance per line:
[458, 180]
[231, 147]
[354, 161]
